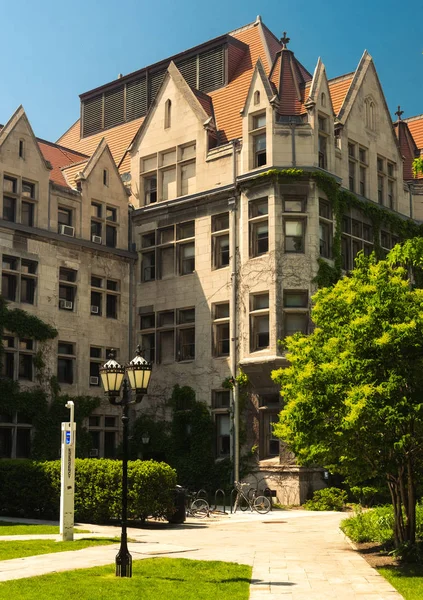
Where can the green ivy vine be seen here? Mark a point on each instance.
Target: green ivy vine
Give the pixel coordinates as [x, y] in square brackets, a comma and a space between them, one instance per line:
[341, 200]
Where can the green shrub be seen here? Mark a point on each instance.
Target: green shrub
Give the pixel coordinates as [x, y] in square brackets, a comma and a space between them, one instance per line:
[374, 525]
[327, 499]
[32, 489]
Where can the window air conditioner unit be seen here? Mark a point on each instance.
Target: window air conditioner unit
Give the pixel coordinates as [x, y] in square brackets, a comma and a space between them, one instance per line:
[96, 239]
[67, 304]
[94, 452]
[95, 310]
[67, 230]
[94, 380]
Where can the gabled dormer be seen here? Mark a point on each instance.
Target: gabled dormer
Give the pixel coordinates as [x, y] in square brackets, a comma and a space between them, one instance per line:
[24, 174]
[168, 154]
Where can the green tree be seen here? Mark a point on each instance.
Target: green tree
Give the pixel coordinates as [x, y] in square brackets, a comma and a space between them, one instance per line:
[353, 398]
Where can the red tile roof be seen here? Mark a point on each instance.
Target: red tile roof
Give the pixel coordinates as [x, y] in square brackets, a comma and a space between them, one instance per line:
[415, 125]
[338, 88]
[289, 78]
[59, 157]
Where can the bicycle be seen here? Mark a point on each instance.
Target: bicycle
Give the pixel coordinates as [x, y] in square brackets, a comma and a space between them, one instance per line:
[261, 504]
[197, 507]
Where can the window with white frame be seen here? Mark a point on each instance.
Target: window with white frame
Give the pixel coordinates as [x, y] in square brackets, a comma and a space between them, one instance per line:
[259, 321]
[19, 279]
[295, 312]
[221, 329]
[105, 297]
[258, 223]
[220, 241]
[67, 288]
[18, 358]
[19, 200]
[66, 357]
[169, 174]
[258, 140]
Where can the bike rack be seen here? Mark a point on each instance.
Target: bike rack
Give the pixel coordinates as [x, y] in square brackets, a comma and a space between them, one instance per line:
[223, 495]
[203, 494]
[232, 500]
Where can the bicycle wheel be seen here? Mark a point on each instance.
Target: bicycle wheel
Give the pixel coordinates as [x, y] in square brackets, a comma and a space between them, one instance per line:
[200, 508]
[262, 504]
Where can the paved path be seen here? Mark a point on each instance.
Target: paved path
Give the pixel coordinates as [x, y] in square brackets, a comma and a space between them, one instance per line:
[295, 555]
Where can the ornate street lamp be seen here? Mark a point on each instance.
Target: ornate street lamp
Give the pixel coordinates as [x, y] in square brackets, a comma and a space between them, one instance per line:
[112, 374]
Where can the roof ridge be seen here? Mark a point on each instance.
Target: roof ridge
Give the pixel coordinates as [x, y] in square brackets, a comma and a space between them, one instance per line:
[411, 119]
[60, 147]
[75, 164]
[243, 27]
[339, 77]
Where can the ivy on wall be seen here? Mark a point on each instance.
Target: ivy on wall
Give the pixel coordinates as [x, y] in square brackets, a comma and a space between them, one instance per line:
[341, 200]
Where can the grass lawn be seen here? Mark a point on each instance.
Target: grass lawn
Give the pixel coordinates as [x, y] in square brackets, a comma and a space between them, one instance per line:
[407, 579]
[152, 579]
[24, 548]
[7, 528]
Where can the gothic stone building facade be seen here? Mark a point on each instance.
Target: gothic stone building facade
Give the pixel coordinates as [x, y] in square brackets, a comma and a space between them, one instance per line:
[149, 222]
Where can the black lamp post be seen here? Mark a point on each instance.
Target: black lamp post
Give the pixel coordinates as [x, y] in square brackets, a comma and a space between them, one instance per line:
[112, 374]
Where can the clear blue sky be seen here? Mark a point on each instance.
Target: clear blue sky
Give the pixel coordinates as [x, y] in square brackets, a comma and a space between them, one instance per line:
[54, 50]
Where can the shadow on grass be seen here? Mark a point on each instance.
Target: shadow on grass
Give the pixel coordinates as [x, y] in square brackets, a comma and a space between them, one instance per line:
[405, 570]
[272, 583]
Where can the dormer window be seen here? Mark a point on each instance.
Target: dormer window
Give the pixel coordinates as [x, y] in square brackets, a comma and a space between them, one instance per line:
[168, 114]
[258, 139]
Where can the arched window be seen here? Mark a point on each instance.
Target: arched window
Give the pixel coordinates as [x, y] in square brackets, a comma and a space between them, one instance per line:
[370, 113]
[168, 113]
[257, 97]
[323, 99]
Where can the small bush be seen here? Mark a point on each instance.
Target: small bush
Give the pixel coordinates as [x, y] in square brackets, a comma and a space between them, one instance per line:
[374, 525]
[31, 489]
[327, 499]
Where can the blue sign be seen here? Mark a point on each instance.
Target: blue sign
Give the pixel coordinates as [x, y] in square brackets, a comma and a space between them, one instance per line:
[68, 437]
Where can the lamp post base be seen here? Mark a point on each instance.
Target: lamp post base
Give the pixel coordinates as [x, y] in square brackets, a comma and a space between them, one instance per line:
[123, 563]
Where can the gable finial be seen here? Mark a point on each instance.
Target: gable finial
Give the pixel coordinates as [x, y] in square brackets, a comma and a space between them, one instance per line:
[284, 40]
[399, 112]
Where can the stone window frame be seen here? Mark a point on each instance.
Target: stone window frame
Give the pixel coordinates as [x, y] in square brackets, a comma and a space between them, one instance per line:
[258, 315]
[24, 190]
[102, 290]
[104, 222]
[24, 273]
[220, 324]
[14, 349]
[258, 219]
[220, 240]
[258, 133]
[15, 426]
[98, 356]
[67, 357]
[300, 309]
[100, 426]
[221, 410]
[325, 228]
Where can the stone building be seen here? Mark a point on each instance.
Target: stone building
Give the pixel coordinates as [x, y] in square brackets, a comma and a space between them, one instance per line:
[169, 231]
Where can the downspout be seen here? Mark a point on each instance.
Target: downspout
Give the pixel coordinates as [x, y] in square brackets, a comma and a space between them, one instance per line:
[233, 205]
[410, 198]
[131, 286]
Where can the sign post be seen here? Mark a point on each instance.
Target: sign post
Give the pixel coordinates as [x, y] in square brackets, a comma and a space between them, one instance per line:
[67, 479]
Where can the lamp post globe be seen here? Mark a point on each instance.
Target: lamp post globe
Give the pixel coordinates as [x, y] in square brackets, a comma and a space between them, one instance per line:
[112, 374]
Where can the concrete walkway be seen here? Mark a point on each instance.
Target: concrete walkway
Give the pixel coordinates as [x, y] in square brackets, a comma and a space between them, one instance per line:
[295, 555]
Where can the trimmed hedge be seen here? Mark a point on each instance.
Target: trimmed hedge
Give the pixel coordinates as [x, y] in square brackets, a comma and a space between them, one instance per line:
[32, 489]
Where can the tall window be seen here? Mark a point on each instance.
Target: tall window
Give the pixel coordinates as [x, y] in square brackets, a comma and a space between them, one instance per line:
[221, 329]
[221, 412]
[258, 140]
[168, 114]
[386, 182]
[18, 359]
[294, 222]
[258, 226]
[259, 321]
[168, 251]
[357, 234]
[148, 333]
[103, 430]
[67, 288]
[220, 240]
[15, 435]
[169, 174]
[19, 200]
[323, 135]
[104, 223]
[175, 335]
[105, 295]
[19, 279]
[325, 228]
[66, 362]
[357, 168]
[295, 312]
